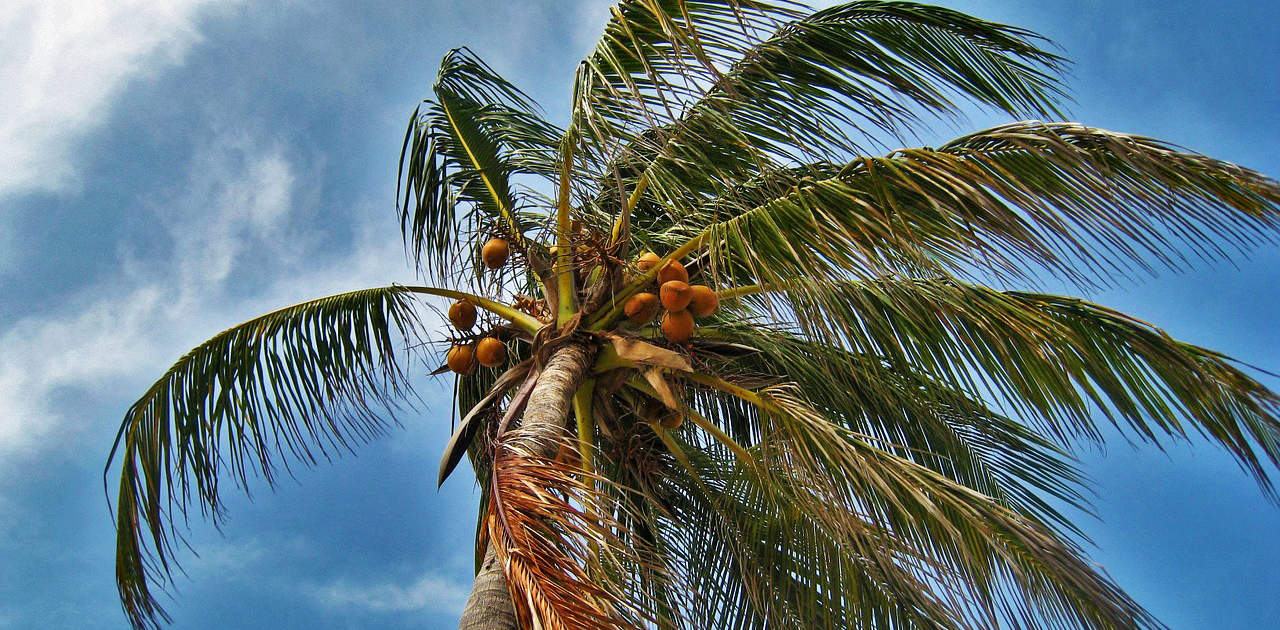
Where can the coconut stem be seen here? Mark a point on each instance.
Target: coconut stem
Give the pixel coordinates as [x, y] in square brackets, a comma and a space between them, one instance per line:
[563, 265]
[525, 322]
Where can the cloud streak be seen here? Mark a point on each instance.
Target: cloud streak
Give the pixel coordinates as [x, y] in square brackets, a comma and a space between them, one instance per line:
[238, 243]
[62, 62]
[428, 593]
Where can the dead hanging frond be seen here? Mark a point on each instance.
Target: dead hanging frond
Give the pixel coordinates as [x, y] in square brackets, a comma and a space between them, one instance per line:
[554, 535]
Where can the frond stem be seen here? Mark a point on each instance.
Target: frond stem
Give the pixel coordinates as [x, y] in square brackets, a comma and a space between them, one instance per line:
[734, 390]
[624, 218]
[516, 234]
[563, 264]
[526, 322]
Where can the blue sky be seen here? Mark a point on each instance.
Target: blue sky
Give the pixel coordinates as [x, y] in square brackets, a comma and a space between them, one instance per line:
[166, 173]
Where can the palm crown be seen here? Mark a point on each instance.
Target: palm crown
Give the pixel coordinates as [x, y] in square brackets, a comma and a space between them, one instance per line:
[861, 434]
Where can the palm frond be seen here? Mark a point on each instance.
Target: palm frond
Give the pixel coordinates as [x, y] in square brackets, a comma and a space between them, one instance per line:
[1083, 203]
[561, 560]
[806, 91]
[303, 383]
[907, 413]
[757, 558]
[1057, 362]
[465, 146]
[655, 57]
[987, 565]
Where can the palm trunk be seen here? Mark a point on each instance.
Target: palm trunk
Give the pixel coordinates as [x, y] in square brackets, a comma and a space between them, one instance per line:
[545, 418]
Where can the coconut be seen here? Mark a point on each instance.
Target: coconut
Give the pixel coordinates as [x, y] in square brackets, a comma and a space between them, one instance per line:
[672, 271]
[641, 308]
[675, 295]
[672, 421]
[462, 314]
[703, 301]
[495, 253]
[461, 359]
[678, 325]
[490, 352]
[647, 261]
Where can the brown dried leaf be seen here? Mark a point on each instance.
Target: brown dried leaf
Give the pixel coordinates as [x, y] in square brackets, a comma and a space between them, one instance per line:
[644, 353]
[659, 383]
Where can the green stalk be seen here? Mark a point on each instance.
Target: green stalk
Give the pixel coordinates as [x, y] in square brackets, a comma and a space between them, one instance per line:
[526, 322]
[586, 424]
[750, 289]
[677, 452]
[730, 388]
[718, 434]
[625, 216]
[562, 267]
[506, 212]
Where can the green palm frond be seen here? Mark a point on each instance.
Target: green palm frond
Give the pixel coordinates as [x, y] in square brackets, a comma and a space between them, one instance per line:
[465, 146]
[1084, 203]
[303, 383]
[806, 89]
[988, 566]
[654, 55]
[797, 82]
[1054, 361]
[904, 412]
[807, 537]
[756, 559]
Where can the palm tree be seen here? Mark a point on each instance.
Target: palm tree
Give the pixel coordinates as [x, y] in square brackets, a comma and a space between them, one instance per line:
[860, 432]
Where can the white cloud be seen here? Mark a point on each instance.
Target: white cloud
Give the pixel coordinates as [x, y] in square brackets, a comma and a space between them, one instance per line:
[429, 593]
[592, 16]
[62, 62]
[238, 219]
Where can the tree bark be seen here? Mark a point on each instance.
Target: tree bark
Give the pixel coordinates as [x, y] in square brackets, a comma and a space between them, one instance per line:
[545, 418]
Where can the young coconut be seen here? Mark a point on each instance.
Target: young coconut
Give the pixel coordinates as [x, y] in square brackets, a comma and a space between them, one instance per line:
[703, 301]
[678, 325]
[495, 253]
[647, 261]
[490, 352]
[672, 271]
[641, 308]
[675, 295]
[672, 420]
[462, 314]
[461, 359]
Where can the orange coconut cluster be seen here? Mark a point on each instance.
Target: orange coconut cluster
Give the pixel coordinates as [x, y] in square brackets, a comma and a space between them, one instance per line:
[489, 351]
[682, 300]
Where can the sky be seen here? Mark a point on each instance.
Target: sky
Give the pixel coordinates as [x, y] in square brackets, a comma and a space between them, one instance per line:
[168, 169]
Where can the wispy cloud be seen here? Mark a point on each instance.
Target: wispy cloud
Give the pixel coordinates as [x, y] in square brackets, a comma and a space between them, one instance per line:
[428, 593]
[62, 62]
[238, 244]
[590, 19]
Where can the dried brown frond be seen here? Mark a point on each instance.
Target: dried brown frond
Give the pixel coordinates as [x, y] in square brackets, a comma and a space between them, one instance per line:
[564, 565]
